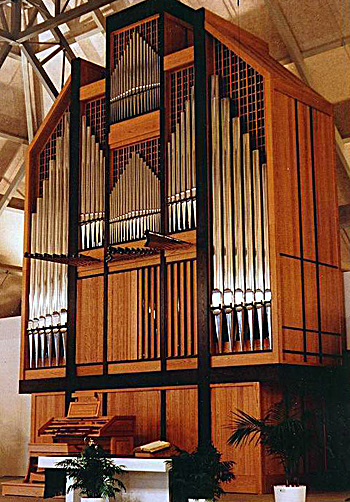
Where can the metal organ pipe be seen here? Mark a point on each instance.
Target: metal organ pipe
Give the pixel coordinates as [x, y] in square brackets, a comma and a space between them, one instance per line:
[92, 189]
[241, 272]
[182, 171]
[228, 217]
[134, 202]
[135, 80]
[217, 293]
[47, 324]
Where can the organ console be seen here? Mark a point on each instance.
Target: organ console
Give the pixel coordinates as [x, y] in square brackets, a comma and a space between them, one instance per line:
[178, 236]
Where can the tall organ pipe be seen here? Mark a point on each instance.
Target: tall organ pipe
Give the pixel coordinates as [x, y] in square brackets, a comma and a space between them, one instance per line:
[241, 271]
[48, 281]
[217, 293]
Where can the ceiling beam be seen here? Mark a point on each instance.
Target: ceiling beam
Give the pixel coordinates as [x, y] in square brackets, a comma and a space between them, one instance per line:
[27, 98]
[291, 44]
[344, 216]
[32, 17]
[3, 18]
[230, 8]
[51, 55]
[4, 201]
[339, 146]
[16, 203]
[10, 268]
[6, 36]
[13, 137]
[4, 52]
[16, 17]
[100, 20]
[283, 28]
[38, 68]
[58, 35]
[314, 51]
[64, 17]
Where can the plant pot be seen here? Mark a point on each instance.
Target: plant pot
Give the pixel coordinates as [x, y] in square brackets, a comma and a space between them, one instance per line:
[290, 493]
[90, 499]
[200, 500]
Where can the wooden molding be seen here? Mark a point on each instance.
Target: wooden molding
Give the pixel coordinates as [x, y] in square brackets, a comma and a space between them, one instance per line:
[135, 130]
[188, 363]
[93, 90]
[243, 359]
[179, 59]
[59, 372]
[134, 367]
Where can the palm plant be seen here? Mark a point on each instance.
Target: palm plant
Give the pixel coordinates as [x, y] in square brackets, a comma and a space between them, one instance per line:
[281, 432]
[93, 473]
[199, 474]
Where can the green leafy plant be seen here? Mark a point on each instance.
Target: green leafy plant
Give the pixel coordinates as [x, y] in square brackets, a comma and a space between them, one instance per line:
[283, 434]
[199, 474]
[93, 473]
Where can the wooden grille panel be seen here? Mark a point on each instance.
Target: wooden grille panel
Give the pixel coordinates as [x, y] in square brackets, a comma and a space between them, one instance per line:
[148, 308]
[245, 86]
[95, 112]
[148, 30]
[181, 82]
[182, 309]
[48, 153]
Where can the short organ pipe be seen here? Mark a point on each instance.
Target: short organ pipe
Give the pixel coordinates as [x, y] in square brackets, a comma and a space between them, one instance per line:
[91, 189]
[135, 80]
[134, 202]
[182, 171]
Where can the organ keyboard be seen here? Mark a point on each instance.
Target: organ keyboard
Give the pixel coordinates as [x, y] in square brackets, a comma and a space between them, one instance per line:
[114, 434]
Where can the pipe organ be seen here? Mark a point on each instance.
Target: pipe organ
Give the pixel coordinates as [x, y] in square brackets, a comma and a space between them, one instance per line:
[181, 221]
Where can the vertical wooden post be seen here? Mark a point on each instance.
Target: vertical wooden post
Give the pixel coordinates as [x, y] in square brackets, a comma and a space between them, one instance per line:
[73, 222]
[201, 96]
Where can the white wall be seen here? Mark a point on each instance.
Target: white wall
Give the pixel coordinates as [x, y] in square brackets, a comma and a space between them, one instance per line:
[14, 408]
[347, 306]
[11, 242]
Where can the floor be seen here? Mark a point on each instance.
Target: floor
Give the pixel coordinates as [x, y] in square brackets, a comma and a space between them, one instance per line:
[311, 497]
[229, 497]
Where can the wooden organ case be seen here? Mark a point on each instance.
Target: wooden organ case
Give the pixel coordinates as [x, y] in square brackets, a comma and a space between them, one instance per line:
[182, 251]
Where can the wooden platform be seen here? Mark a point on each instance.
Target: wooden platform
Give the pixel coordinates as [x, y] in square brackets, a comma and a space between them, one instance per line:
[21, 489]
[14, 489]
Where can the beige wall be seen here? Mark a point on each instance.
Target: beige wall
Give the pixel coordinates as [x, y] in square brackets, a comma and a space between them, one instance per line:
[14, 408]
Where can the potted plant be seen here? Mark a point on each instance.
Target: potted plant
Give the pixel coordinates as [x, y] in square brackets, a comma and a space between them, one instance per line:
[93, 474]
[284, 436]
[198, 475]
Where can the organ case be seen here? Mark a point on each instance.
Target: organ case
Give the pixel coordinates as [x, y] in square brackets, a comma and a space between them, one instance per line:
[197, 224]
